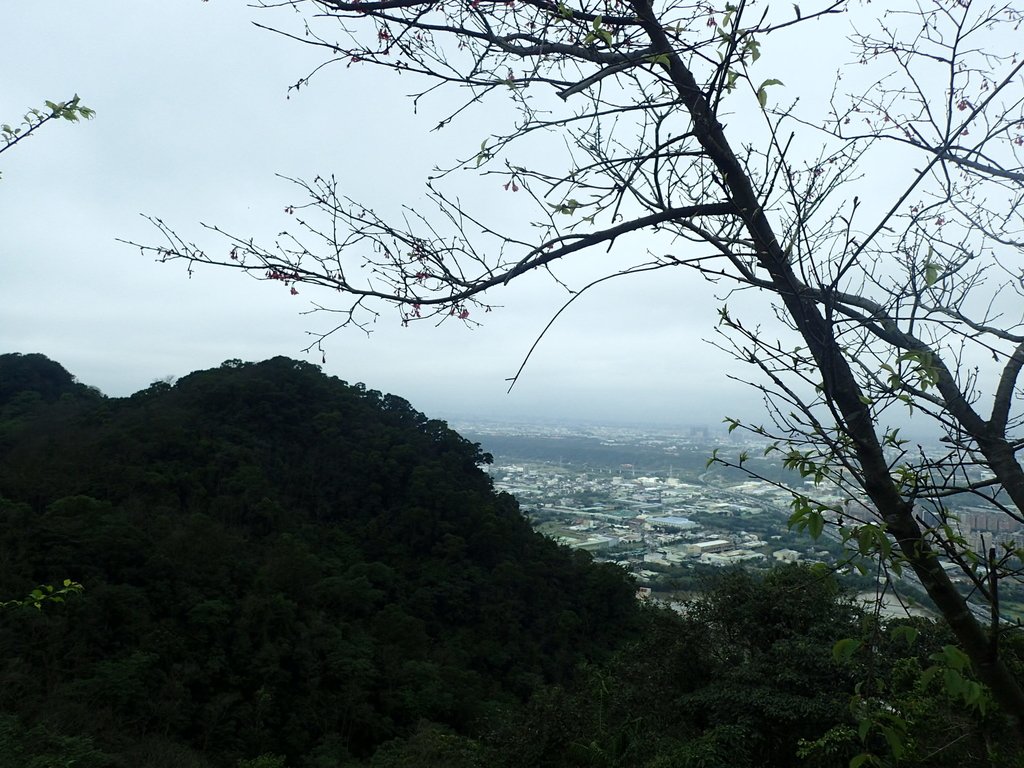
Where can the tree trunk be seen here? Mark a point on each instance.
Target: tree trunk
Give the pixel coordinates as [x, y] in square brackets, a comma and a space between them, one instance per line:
[839, 383]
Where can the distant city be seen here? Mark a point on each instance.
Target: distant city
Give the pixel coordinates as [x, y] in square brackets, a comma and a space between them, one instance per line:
[647, 499]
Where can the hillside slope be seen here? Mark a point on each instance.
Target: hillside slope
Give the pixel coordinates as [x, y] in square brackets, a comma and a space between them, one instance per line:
[274, 562]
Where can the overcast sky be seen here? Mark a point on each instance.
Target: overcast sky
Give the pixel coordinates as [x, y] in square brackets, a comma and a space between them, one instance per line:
[192, 124]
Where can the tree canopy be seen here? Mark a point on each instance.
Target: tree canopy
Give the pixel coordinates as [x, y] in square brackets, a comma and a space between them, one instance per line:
[273, 561]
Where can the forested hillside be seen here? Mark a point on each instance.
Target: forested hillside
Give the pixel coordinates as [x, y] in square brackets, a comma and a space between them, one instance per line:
[274, 561]
[283, 570]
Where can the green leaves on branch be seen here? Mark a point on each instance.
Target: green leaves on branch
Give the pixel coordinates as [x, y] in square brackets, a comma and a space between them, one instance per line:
[598, 32]
[932, 270]
[844, 649]
[805, 465]
[922, 368]
[712, 459]
[874, 717]
[762, 94]
[892, 439]
[46, 593]
[808, 516]
[752, 48]
[886, 718]
[70, 110]
[73, 111]
[568, 208]
[954, 666]
[905, 633]
[484, 154]
[564, 11]
[908, 478]
[742, 47]
[870, 539]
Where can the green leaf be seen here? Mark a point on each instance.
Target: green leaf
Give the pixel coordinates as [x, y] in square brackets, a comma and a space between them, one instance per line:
[907, 634]
[484, 154]
[972, 693]
[844, 649]
[815, 524]
[931, 274]
[754, 49]
[865, 539]
[567, 208]
[762, 94]
[894, 738]
[954, 657]
[953, 681]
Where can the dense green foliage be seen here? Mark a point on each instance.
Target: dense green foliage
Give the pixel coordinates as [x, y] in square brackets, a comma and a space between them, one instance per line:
[284, 571]
[746, 678]
[274, 562]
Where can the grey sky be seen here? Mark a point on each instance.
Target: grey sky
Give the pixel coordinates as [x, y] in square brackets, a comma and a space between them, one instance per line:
[192, 125]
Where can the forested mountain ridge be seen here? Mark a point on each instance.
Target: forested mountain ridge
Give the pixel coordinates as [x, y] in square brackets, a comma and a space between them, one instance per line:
[285, 571]
[274, 562]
